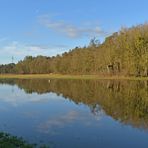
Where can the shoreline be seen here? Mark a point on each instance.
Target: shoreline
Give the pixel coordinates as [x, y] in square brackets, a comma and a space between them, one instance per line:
[60, 76]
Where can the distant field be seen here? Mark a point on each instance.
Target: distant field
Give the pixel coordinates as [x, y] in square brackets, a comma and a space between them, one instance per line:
[58, 76]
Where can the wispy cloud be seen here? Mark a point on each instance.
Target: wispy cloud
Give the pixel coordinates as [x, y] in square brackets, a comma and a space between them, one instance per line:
[20, 50]
[13, 94]
[3, 39]
[53, 124]
[49, 125]
[70, 30]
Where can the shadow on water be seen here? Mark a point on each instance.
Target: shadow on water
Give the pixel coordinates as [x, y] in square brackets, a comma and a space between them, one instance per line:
[125, 101]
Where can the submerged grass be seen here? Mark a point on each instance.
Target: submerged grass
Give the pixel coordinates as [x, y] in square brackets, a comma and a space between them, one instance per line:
[59, 76]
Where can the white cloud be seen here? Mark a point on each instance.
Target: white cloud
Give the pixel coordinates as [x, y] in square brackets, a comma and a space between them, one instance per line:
[20, 50]
[3, 39]
[70, 30]
[58, 122]
[11, 95]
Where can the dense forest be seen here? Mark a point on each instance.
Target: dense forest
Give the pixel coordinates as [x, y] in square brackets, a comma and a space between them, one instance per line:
[123, 53]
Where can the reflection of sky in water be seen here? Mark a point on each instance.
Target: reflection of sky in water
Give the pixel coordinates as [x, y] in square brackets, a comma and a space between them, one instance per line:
[51, 118]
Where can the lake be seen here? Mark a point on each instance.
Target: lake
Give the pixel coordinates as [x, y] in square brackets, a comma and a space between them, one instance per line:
[76, 113]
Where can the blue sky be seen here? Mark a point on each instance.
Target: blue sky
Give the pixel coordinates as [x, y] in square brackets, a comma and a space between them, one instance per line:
[49, 27]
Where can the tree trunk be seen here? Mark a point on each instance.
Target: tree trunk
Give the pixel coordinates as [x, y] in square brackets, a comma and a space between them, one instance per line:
[146, 72]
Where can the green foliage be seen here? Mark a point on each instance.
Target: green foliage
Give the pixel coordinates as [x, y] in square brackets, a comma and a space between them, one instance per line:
[8, 68]
[8, 141]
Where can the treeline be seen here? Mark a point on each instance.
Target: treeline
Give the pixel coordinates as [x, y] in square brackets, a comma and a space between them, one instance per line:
[8, 68]
[123, 53]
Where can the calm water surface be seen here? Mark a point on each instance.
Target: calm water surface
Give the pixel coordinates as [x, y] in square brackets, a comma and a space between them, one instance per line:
[76, 113]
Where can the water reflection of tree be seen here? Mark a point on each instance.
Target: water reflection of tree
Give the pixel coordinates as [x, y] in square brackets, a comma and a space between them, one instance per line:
[126, 101]
[96, 111]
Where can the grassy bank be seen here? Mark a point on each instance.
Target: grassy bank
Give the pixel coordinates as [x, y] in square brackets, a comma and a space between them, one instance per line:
[8, 141]
[58, 76]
